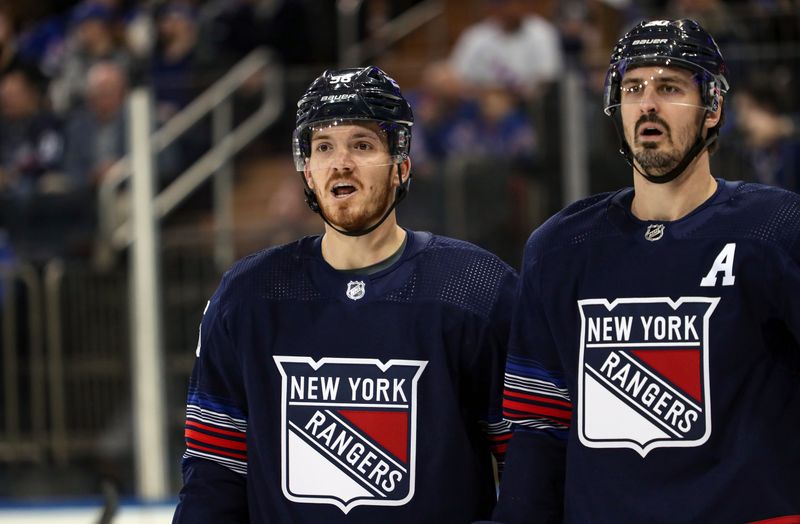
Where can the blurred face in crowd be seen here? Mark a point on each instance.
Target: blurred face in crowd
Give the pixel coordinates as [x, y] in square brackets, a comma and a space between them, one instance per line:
[176, 25]
[351, 172]
[496, 103]
[661, 115]
[18, 98]
[106, 88]
[94, 35]
[509, 13]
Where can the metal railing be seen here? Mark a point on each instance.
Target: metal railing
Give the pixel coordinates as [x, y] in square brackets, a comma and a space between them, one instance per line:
[216, 101]
[23, 434]
[352, 52]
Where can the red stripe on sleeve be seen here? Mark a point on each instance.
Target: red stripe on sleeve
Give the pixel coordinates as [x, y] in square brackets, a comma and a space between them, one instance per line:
[215, 441]
[239, 456]
[537, 398]
[788, 519]
[537, 410]
[206, 427]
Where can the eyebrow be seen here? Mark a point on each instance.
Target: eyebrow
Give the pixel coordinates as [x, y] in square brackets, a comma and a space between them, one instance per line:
[677, 79]
[362, 134]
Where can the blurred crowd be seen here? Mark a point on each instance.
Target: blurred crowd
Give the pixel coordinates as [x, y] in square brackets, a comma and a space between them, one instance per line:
[493, 108]
[64, 80]
[492, 104]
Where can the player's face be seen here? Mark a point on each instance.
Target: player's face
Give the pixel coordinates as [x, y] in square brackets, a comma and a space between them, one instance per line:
[351, 172]
[661, 114]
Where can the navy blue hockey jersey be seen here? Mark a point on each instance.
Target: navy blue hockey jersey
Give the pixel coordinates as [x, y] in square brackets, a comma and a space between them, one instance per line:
[654, 368]
[325, 396]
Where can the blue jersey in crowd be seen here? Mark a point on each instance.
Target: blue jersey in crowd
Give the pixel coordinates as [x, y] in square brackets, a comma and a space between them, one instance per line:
[325, 396]
[654, 367]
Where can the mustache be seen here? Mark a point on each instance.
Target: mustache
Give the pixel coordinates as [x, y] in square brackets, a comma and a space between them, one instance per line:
[651, 118]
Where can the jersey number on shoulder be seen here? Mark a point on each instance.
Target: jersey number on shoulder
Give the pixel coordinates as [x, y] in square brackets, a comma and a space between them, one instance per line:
[722, 264]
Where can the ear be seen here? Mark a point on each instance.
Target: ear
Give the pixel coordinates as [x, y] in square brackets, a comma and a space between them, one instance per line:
[405, 168]
[712, 119]
[307, 176]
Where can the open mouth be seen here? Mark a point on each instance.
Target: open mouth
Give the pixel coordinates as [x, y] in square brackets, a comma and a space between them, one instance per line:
[648, 131]
[343, 190]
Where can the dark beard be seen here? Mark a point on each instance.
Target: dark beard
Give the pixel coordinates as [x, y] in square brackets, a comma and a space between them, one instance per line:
[656, 162]
[653, 161]
[349, 219]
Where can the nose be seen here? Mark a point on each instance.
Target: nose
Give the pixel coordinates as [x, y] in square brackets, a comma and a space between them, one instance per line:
[648, 102]
[342, 160]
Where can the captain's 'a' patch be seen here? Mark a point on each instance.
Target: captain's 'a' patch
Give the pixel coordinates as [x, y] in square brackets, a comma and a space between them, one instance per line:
[348, 430]
[643, 379]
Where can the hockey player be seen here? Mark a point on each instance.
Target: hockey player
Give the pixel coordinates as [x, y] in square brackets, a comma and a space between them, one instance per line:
[654, 367]
[354, 376]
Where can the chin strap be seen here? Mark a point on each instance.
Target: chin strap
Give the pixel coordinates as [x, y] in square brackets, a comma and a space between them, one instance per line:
[696, 149]
[399, 194]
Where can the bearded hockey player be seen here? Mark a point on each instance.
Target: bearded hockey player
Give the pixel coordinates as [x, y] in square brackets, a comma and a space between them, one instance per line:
[354, 376]
[654, 366]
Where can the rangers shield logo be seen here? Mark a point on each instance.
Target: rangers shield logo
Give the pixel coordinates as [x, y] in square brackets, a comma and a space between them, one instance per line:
[348, 430]
[643, 380]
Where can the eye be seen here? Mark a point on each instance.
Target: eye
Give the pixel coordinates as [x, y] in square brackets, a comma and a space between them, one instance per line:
[323, 147]
[670, 89]
[364, 146]
[632, 89]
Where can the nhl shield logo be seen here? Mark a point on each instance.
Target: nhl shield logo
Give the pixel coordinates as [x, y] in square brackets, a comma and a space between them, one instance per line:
[355, 289]
[643, 380]
[654, 232]
[348, 430]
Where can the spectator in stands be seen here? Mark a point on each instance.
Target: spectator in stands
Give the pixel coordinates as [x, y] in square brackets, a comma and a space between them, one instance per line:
[44, 213]
[91, 39]
[511, 47]
[95, 132]
[771, 135]
[175, 59]
[31, 142]
[439, 106]
[499, 127]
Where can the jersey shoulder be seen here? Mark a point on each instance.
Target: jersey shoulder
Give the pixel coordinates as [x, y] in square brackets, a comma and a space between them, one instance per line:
[757, 212]
[458, 273]
[581, 222]
[273, 273]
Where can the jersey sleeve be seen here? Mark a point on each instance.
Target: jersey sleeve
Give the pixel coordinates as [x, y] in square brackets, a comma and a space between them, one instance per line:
[215, 461]
[498, 430]
[538, 405]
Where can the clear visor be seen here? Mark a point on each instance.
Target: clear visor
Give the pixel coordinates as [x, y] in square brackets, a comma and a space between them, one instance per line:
[344, 144]
[674, 82]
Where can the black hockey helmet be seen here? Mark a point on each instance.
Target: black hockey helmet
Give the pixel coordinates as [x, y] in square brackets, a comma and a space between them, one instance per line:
[672, 43]
[365, 93]
[675, 43]
[351, 95]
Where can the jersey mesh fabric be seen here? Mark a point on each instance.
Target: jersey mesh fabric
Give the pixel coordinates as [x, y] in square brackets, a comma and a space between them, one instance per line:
[778, 223]
[468, 282]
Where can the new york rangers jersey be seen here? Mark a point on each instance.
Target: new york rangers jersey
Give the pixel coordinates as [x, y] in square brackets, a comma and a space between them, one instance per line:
[325, 396]
[654, 367]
